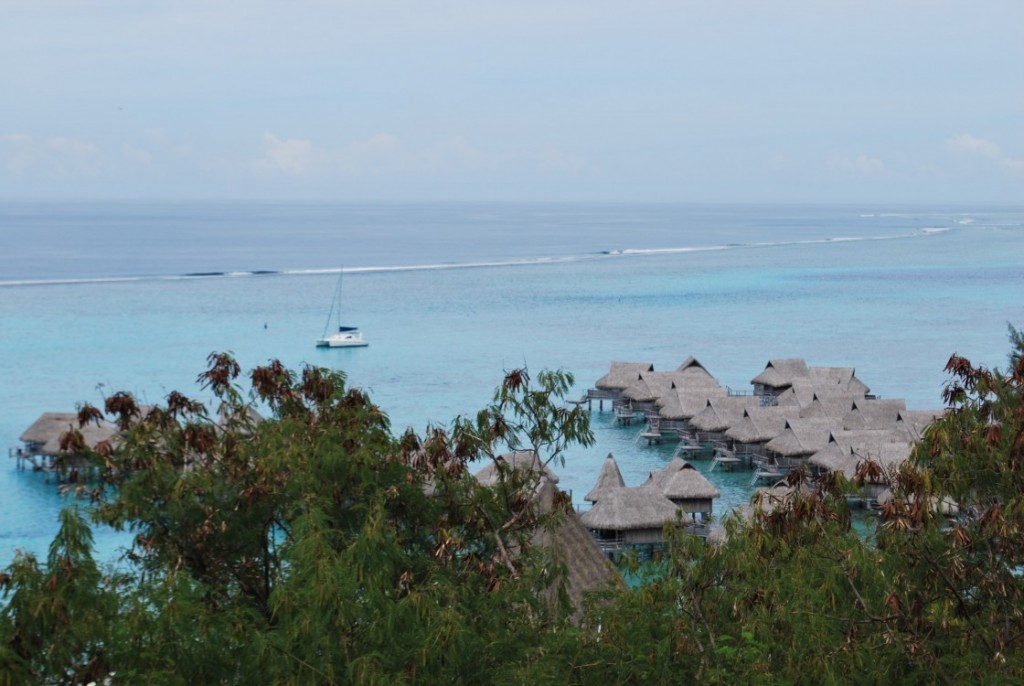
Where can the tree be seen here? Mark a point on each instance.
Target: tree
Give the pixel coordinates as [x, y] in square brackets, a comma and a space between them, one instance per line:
[313, 547]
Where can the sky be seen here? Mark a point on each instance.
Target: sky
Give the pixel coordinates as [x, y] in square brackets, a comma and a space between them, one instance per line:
[897, 101]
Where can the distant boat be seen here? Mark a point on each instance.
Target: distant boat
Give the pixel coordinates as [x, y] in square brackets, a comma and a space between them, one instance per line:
[344, 336]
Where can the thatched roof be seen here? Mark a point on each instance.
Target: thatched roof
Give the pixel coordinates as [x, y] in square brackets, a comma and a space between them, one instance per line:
[565, 540]
[722, 412]
[650, 386]
[914, 422]
[609, 479]
[688, 484]
[692, 373]
[44, 434]
[760, 424]
[874, 414]
[846, 449]
[685, 403]
[840, 378]
[629, 509]
[802, 437]
[780, 373]
[622, 375]
[568, 542]
[783, 373]
[826, 406]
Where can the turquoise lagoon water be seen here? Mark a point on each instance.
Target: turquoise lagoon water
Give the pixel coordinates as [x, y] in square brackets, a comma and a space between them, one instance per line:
[92, 301]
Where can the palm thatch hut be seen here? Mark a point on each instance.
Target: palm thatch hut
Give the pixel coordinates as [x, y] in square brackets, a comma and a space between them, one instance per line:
[681, 405]
[719, 414]
[565, 542]
[758, 426]
[690, 491]
[913, 423]
[692, 374]
[609, 479]
[843, 379]
[800, 439]
[42, 441]
[874, 414]
[620, 376]
[826, 406]
[631, 516]
[778, 375]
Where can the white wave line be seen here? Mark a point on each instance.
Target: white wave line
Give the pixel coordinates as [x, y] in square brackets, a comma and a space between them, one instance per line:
[483, 264]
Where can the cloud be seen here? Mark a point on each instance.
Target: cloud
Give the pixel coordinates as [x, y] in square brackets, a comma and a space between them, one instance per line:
[861, 165]
[972, 146]
[292, 156]
[23, 153]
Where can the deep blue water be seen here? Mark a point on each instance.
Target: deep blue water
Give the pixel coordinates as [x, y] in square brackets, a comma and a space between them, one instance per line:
[91, 301]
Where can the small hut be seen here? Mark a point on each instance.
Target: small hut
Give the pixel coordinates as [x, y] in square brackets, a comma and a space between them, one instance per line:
[565, 542]
[621, 376]
[610, 479]
[690, 491]
[678, 407]
[720, 413]
[800, 439]
[778, 375]
[631, 516]
[42, 440]
[874, 414]
[758, 426]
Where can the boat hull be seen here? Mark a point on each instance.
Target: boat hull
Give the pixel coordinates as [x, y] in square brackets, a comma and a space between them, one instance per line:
[347, 340]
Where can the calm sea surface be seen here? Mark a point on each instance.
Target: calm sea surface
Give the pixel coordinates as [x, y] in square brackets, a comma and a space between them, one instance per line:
[96, 298]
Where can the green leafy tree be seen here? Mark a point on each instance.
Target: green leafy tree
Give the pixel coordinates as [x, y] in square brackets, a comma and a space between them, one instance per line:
[311, 548]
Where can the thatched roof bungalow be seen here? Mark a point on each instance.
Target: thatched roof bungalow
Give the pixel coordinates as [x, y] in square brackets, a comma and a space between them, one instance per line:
[622, 375]
[566, 542]
[43, 436]
[874, 414]
[779, 375]
[692, 374]
[825, 406]
[679, 406]
[801, 438]
[609, 479]
[687, 487]
[632, 516]
[760, 425]
[914, 422]
[722, 412]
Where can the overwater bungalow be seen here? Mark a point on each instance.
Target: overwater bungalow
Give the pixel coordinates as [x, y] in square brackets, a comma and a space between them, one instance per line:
[781, 374]
[682, 405]
[914, 422]
[690, 490]
[778, 375]
[800, 439]
[826, 406]
[758, 426]
[719, 414]
[568, 543]
[630, 517]
[692, 374]
[44, 444]
[841, 379]
[609, 479]
[621, 376]
[874, 414]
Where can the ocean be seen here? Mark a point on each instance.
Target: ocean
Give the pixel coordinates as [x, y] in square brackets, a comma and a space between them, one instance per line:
[101, 297]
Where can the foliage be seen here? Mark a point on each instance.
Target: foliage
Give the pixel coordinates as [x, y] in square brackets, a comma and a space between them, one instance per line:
[310, 548]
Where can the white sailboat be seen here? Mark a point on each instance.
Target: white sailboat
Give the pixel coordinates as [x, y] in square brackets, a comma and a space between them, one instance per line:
[344, 336]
